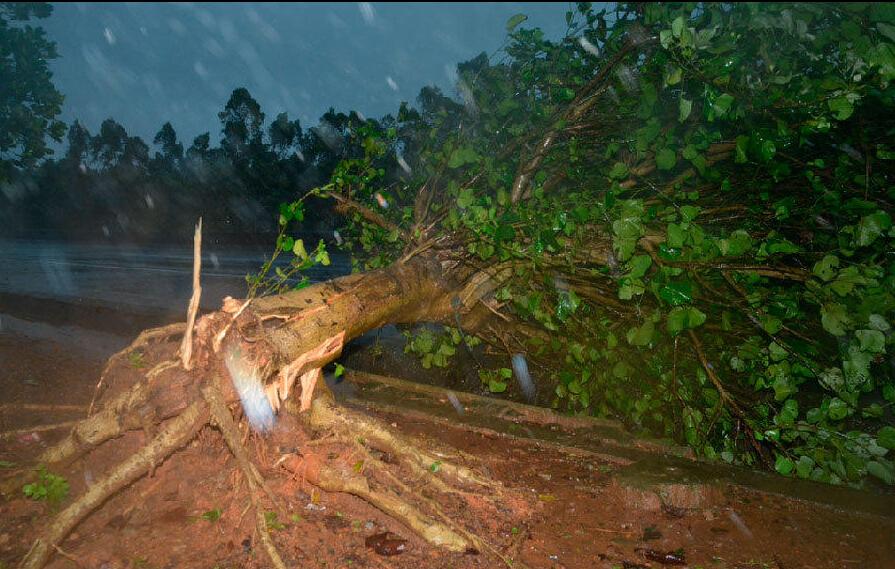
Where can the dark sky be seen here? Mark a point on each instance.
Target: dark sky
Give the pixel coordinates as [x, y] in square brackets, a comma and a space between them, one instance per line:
[143, 64]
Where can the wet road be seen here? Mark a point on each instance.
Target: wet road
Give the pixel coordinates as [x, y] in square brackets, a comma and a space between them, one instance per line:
[128, 277]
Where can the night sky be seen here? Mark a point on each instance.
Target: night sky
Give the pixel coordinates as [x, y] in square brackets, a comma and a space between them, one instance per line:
[144, 64]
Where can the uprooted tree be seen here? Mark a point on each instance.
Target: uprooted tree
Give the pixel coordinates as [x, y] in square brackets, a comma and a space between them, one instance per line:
[679, 214]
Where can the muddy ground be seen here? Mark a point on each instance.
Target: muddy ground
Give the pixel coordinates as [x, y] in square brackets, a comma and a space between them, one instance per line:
[585, 494]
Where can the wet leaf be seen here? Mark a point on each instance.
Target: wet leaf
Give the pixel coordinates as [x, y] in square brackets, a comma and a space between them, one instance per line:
[514, 21]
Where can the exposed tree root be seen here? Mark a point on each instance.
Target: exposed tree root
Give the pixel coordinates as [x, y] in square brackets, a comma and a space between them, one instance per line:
[114, 419]
[438, 534]
[317, 321]
[144, 338]
[224, 421]
[326, 414]
[172, 436]
[359, 430]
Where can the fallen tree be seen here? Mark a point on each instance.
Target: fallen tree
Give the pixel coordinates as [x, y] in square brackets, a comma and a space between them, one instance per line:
[678, 215]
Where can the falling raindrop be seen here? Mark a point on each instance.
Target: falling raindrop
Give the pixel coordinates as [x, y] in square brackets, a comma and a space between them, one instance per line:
[456, 403]
[366, 12]
[588, 47]
[520, 370]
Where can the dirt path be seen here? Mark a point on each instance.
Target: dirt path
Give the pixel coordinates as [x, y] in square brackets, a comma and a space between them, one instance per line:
[598, 503]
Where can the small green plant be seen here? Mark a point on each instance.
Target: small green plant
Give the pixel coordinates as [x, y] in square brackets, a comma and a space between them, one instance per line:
[136, 360]
[49, 487]
[212, 515]
[272, 522]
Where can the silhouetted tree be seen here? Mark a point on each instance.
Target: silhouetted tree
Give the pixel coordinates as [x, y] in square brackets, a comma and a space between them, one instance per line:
[242, 122]
[29, 103]
[166, 138]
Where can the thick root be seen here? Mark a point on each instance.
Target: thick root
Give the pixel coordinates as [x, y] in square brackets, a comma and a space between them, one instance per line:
[174, 435]
[111, 422]
[326, 414]
[435, 527]
[224, 421]
[434, 532]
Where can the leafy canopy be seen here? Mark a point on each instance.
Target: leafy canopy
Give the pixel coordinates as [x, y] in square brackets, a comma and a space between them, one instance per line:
[694, 202]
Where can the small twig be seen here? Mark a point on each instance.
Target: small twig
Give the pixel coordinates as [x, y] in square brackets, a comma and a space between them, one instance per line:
[37, 429]
[186, 347]
[68, 556]
[727, 399]
[368, 214]
[40, 407]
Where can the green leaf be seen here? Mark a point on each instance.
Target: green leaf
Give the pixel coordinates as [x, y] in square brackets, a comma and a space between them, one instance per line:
[681, 318]
[722, 104]
[885, 437]
[677, 26]
[883, 471]
[804, 466]
[638, 265]
[771, 324]
[677, 293]
[466, 198]
[877, 322]
[872, 226]
[299, 249]
[462, 156]
[684, 108]
[619, 171]
[784, 465]
[340, 370]
[642, 335]
[838, 409]
[689, 213]
[872, 341]
[666, 159]
[832, 379]
[495, 386]
[738, 243]
[826, 267]
[514, 21]
[675, 238]
[834, 318]
[841, 107]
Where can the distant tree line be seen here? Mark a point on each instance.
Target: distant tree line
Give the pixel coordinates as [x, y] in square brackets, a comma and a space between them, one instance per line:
[110, 185]
[113, 185]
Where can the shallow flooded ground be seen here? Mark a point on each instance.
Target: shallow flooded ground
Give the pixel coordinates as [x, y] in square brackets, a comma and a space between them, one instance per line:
[586, 494]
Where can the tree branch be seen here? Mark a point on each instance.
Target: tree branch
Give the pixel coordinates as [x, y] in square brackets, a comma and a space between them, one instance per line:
[347, 204]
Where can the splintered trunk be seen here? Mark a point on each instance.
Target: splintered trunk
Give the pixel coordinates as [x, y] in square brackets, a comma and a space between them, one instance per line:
[297, 321]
